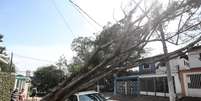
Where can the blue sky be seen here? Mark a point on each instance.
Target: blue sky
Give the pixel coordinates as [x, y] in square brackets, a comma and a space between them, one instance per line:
[34, 28]
[36, 22]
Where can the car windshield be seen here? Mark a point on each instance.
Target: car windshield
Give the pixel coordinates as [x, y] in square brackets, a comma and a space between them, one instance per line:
[92, 97]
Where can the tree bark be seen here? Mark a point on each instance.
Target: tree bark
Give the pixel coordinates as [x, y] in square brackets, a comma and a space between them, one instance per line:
[168, 68]
[135, 63]
[82, 81]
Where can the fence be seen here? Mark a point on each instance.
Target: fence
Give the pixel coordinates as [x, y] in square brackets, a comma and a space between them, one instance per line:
[7, 81]
[126, 86]
[195, 81]
[157, 86]
[193, 84]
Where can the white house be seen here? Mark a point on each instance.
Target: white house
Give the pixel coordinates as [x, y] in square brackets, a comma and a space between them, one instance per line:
[154, 77]
[191, 78]
[23, 82]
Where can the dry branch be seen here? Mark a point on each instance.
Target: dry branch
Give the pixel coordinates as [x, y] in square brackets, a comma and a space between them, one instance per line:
[131, 38]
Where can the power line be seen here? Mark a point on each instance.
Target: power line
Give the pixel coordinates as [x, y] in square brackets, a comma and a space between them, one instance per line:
[86, 13]
[83, 16]
[24, 71]
[32, 58]
[62, 17]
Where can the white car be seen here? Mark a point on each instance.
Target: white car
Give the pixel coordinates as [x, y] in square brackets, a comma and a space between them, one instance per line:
[87, 96]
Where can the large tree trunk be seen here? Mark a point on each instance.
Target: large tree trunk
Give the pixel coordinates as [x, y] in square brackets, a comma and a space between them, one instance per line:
[88, 78]
[168, 68]
[154, 59]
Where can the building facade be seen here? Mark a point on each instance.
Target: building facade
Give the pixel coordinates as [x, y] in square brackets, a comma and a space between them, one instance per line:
[191, 78]
[152, 78]
[23, 82]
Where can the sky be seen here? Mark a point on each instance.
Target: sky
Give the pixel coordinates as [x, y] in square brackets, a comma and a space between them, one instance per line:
[38, 32]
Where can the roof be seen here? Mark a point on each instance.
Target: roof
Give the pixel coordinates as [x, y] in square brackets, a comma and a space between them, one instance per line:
[21, 77]
[195, 48]
[85, 92]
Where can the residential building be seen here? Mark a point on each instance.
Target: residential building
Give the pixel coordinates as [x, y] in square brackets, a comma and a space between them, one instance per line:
[191, 78]
[23, 82]
[152, 78]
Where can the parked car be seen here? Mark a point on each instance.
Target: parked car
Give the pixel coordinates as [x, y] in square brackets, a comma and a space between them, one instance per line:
[87, 96]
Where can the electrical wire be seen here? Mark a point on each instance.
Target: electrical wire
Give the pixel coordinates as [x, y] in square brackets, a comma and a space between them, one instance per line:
[62, 17]
[32, 58]
[85, 13]
[85, 18]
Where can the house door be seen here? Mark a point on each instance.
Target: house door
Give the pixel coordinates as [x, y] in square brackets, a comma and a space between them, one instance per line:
[194, 84]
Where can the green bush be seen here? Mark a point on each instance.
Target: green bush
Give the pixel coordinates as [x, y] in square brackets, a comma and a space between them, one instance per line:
[7, 81]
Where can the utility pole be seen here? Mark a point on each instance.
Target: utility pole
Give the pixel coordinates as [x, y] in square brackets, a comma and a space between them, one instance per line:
[11, 62]
[168, 68]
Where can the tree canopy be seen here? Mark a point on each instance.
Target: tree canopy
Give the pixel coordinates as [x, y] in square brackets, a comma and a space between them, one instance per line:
[47, 77]
[5, 67]
[120, 45]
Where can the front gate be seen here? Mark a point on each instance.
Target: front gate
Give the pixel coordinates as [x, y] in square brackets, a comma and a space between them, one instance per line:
[128, 86]
[194, 84]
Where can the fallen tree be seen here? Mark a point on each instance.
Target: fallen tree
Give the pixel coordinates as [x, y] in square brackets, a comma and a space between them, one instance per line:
[127, 40]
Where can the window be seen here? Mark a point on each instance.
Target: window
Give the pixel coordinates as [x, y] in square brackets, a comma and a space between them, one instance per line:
[72, 98]
[195, 81]
[178, 67]
[199, 56]
[92, 97]
[162, 64]
[145, 66]
[186, 64]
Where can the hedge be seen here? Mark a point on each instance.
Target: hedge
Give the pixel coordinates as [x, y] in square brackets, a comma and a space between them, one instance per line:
[7, 81]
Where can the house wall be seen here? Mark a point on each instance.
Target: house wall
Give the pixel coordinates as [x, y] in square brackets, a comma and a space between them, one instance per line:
[150, 70]
[194, 58]
[22, 82]
[157, 70]
[175, 64]
[194, 68]
[181, 69]
[186, 91]
[179, 64]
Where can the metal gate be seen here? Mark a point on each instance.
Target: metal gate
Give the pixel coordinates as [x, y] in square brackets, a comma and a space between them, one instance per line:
[194, 84]
[128, 86]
